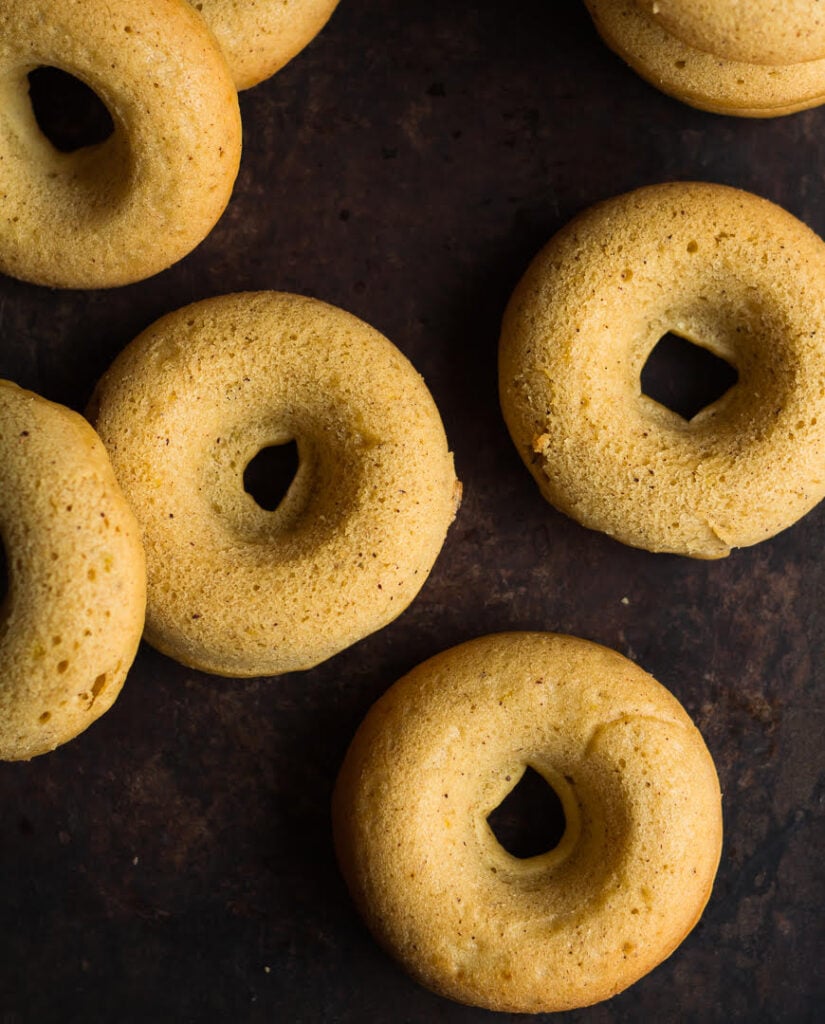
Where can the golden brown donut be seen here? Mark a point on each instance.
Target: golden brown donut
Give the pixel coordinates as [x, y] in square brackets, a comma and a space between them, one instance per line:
[570, 927]
[701, 79]
[238, 590]
[71, 620]
[722, 268]
[259, 36]
[753, 32]
[131, 206]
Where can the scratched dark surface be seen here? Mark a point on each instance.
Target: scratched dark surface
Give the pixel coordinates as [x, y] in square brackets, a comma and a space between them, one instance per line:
[174, 863]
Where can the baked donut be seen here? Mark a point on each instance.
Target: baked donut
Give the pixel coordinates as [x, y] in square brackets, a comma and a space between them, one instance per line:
[756, 32]
[721, 268]
[570, 927]
[125, 209]
[72, 616]
[719, 84]
[237, 590]
[259, 36]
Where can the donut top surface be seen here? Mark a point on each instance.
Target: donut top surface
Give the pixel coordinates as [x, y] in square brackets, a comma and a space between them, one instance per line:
[725, 270]
[72, 618]
[752, 31]
[237, 589]
[441, 750]
[259, 36]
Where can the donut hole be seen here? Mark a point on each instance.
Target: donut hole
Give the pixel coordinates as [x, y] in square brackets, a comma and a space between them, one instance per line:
[530, 820]
[269, 474]
[684, 377]
[68, 112]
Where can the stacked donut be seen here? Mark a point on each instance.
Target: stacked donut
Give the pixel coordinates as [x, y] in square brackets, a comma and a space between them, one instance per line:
[168, 73]
[757, 59]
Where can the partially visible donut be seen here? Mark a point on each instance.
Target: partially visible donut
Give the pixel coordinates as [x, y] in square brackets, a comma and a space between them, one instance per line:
[72, 618]
[754, 32]
[235, 589]
[722, 268]
[129, 207]
[259, 36]
[701, 79]
[570, 927]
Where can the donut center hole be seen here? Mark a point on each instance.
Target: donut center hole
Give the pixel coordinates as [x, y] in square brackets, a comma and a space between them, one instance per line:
[530, 819]
[685, 377]
[269, 475]
[69, 113]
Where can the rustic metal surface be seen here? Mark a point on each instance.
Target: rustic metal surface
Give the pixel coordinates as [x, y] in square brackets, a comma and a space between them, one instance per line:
[175, 863]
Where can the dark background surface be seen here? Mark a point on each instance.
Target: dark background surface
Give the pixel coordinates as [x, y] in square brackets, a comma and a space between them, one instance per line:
[174, 863]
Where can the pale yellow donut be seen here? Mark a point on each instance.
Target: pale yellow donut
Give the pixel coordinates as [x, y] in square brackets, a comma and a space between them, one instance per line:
[441, 750]
[131, 206]
[259, 36]
[235, 589]
[73, 615]
[722, 268]
[701, 79]
[751, 31]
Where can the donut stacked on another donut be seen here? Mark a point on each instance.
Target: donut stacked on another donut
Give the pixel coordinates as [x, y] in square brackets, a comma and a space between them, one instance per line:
[129, 207]
[72, 618]
[259, 36]
[762, 58]
[238, 590]
[570, 927]
[722, 268]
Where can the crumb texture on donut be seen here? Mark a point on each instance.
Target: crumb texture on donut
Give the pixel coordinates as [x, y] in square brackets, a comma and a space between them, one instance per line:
[126, 208]
[723, 269]
[701, 79]
[570, 927]
[233, 588]
[72, 617]
[258, 37]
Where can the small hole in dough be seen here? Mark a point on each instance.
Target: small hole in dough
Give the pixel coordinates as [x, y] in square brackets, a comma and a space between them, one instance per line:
[98, 685]
[269, 475]
[45, 717]
[62, 666]
[530, 819]
[68, 112]
[684, 377]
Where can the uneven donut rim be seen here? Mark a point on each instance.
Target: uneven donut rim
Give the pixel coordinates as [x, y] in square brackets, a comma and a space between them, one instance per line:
[382, 829]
